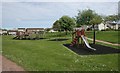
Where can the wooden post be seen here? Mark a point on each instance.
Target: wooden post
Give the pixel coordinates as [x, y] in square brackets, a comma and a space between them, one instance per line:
[81, 41]
[94, 34]
[78, 41]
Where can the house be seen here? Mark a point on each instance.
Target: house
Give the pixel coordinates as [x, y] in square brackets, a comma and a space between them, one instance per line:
[21, 29]
[12, 32]
[35, 32]
[108, 25]
[118, 24]
[34, 29]
[113, 24]
[4, 32]
[51, 30]
[102, 26]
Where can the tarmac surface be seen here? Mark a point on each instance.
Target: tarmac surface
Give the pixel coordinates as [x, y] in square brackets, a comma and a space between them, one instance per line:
[100, 49]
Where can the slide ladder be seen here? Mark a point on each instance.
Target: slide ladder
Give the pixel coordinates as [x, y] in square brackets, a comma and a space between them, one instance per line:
[74, 41]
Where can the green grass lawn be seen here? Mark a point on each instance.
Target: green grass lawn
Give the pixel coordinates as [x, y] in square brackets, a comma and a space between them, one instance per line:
[45, 55]
[109, 36]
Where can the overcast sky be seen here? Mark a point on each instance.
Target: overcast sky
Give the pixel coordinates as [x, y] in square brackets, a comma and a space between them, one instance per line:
[43, 14]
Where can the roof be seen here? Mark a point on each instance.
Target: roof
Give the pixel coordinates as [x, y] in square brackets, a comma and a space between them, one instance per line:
[12, 30]
[112, 22]
[35, 28]
[118, 22]
[21, 28]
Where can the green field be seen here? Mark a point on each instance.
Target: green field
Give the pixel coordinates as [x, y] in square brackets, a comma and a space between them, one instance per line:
[46, 55]
[109, 36]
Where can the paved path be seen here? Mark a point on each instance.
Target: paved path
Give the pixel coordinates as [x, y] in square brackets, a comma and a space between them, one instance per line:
[8, 65]
[103, 42]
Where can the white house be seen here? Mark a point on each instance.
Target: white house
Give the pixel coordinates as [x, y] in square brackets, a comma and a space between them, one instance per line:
[4, 32]
[113, 25]
[52, 30]
[34, 29]
[102, 26]
[118, 24]
[21, 29]
[12, 32]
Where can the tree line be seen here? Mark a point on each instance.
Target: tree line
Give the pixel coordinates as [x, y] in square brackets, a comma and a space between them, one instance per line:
[85, 17]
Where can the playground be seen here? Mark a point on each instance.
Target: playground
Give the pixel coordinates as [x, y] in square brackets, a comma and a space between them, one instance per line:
[84, 48]
[55, 54]
[30, 34]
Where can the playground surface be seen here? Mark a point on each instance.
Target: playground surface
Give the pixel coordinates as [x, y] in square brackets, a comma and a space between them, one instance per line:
[100, 49]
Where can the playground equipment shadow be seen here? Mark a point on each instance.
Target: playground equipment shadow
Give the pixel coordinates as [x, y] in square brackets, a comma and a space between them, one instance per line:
[30, 39]
[60, 39]
[100, 49]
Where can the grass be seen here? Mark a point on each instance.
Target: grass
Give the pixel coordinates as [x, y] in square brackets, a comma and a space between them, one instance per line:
[109, 36]
[45, 55]
[57, 34]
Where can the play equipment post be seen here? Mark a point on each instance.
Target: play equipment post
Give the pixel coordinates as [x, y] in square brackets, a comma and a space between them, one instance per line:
[94, 34]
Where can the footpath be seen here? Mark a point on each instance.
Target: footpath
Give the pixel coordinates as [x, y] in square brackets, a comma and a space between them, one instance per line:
[8, 65]
[103, 42]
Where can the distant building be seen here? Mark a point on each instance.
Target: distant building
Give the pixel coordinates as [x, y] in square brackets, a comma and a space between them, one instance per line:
[118, 24]
[102, 26]
[21, 29]
[113, 25]
[107, 25]
[34, 29]
[4, 32]
[51, 30]
[12, 32]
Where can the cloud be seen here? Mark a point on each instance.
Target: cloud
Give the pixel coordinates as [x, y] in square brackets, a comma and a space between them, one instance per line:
[43, 14]
[60, 0]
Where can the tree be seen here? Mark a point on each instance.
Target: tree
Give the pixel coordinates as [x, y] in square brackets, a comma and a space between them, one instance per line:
[56, 25]
[84, 17]
[112, 18]
[67, 23]
[96, 20]
[48, 29]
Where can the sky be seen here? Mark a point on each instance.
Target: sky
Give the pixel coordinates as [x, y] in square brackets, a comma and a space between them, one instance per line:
[36, 14]
[119, 7]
